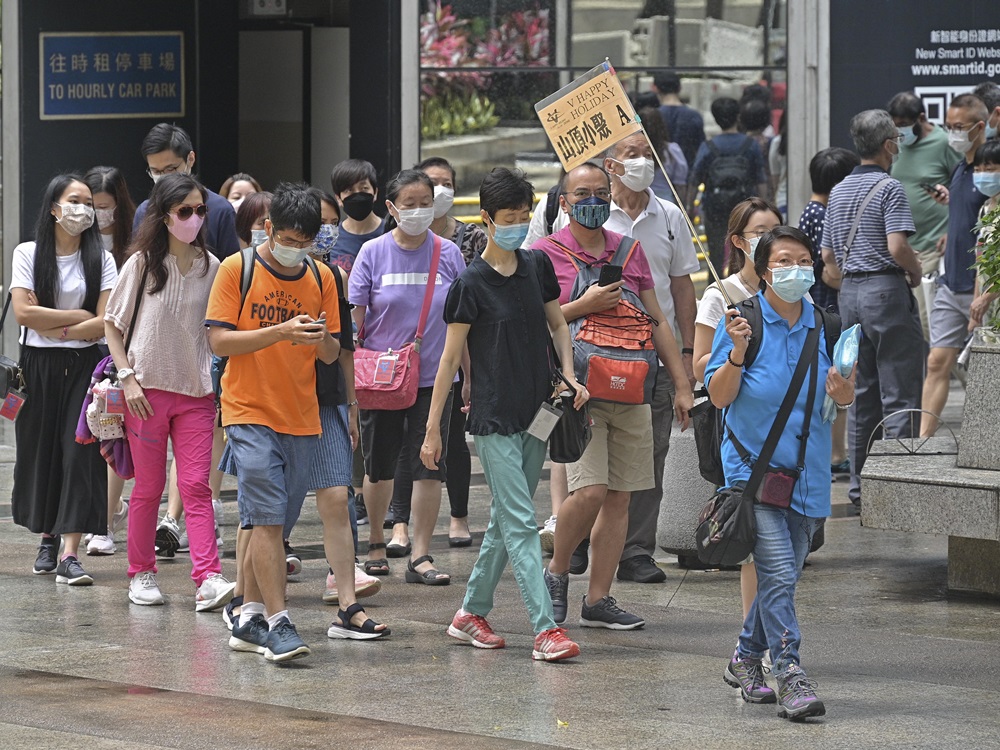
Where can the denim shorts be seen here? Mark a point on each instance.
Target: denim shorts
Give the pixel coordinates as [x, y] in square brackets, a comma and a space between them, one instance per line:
[333, 460]
[272, 469]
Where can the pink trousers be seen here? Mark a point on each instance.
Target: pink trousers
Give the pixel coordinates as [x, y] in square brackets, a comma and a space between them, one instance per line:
[188, 423]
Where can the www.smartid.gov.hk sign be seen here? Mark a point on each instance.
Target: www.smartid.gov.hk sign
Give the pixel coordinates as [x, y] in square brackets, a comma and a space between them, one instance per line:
[111, 75]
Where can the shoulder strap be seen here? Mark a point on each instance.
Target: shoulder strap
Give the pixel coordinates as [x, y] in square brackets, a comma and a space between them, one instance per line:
[750, 310]
[810, 399]
[311, 264]
[6, 307]
[135, 311]
[856, 224]
[832, 326]
[339, 281]
[573, 257]
[552, 207]
[809, 351]
[247, 263]
[461, 234]
[428, 292]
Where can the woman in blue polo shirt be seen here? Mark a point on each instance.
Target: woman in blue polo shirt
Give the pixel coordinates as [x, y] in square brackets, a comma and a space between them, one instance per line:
[783, 262]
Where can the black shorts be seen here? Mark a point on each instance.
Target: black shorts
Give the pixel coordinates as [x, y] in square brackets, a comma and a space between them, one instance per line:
[384, 433]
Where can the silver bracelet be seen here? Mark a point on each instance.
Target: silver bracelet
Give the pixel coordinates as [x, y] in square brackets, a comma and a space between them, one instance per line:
[844, 407]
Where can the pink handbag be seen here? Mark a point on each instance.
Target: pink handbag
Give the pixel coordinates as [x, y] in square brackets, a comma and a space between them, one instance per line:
[389, 380]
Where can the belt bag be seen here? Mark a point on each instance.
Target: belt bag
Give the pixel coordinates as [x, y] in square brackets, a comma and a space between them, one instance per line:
[388, 380]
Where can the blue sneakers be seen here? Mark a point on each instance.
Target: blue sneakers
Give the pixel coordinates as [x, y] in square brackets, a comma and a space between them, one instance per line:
[283, 643]
[251, 637]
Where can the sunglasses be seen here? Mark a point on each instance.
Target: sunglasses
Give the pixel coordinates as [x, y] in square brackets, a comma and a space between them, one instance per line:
[184, 212]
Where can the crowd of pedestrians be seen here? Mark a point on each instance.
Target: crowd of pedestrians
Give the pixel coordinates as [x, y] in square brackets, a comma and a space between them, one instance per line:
[235, 323]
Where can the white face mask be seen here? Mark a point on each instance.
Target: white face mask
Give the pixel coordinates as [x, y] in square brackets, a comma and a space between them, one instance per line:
[444, 199]
[753, 242]
[76, 219]
[959, 140]
[289, 257]
[414, 221]
[105, 217]
[257, 237]
[638, 173]
[237, 203]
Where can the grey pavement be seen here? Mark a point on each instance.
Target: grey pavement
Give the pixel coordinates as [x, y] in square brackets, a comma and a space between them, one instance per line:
[900, 662]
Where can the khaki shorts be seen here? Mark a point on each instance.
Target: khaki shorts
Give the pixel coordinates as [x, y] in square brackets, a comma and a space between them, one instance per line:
[620, 454]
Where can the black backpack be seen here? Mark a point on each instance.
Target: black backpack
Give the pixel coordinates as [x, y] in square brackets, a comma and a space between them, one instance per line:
[730, 178]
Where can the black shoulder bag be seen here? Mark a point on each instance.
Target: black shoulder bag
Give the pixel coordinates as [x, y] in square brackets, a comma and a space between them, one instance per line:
[727, 529]
[10, 371]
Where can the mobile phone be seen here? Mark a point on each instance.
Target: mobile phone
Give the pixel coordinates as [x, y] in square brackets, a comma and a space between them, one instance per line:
[930, 188]
[609, 275]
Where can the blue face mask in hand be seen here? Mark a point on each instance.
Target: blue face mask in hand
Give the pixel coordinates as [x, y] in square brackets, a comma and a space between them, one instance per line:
[791, 284]
[509, 237]
[591, 212]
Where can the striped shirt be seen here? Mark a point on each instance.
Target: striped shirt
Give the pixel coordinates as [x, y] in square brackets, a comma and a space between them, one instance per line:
[888, 212]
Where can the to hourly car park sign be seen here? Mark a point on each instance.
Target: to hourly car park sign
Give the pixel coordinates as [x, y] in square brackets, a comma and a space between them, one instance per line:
[111, 75]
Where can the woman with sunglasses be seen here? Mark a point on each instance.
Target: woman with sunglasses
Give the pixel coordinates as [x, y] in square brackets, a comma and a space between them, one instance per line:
[167, 382]
[59, 286]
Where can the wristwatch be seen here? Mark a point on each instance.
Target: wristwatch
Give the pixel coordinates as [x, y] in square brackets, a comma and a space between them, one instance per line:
[124, 373]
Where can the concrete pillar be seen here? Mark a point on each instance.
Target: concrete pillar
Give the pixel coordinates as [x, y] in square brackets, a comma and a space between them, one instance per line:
[808, 95]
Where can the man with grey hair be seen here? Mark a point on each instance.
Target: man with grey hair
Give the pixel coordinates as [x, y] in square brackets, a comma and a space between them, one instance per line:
[868, 256]
[659, 226]
[989, 92]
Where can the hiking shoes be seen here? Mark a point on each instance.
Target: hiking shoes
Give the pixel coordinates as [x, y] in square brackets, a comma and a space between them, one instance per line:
[747, 674]
[797, 699]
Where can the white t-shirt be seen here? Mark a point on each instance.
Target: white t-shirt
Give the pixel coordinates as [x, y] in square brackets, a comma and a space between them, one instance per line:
[712, 307]
[664, 236]
[108, 240]
[71, 287]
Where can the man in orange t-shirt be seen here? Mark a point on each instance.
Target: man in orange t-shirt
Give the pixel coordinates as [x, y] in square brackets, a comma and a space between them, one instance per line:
[269, 407]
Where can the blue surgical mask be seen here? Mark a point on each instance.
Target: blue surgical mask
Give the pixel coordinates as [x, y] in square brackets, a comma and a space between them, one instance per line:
[257, 237]
[791, 284]
[909, 137]
[753, 241]
[987, 183]
[591, 212]
[509, 237]
[991, 131]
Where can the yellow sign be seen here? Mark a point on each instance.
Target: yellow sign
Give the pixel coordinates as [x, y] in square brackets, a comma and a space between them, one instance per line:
[586, 117]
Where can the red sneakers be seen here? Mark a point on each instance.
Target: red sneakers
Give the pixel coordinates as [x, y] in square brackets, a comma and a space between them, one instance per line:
[475, 630]
[553, 645]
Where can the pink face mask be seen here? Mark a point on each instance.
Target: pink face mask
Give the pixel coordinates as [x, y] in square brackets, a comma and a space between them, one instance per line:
[186, 230]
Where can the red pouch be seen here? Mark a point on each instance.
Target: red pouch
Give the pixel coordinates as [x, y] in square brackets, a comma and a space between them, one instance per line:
[619, 380]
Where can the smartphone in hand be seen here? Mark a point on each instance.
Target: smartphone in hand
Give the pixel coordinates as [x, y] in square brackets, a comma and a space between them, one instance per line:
[610, 274]
[931, 189]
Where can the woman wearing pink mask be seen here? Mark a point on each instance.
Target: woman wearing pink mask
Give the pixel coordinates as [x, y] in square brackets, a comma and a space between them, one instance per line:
[167, 381]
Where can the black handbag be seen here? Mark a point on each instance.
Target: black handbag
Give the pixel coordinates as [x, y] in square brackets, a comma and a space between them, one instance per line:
[727, 528]
[707, 422]
[10, 371]
[572, 433]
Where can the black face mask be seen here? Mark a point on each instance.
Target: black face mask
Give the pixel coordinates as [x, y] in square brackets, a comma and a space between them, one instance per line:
[359, 205]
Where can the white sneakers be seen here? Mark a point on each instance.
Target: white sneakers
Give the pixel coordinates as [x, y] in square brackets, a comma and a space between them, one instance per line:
[364, 585]
[547, 535]
[105, 544]
[215, 591]
[102, 545]
[142, 589]
[218, 510]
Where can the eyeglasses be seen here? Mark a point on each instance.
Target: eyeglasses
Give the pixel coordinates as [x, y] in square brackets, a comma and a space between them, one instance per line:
[172, 169]
[582, 194]
[184, 212]
[786, 263]
[897, 138]
[960, 128]
[297, 244]
[758, 233]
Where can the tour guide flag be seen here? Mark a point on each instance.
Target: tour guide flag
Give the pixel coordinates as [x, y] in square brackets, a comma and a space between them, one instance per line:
[585, 117]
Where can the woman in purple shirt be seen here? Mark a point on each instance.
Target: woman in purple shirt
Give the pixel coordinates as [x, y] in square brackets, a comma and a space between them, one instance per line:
[386, 287]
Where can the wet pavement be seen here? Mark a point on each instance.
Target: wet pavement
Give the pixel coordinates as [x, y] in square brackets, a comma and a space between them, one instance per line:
[899, 661]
